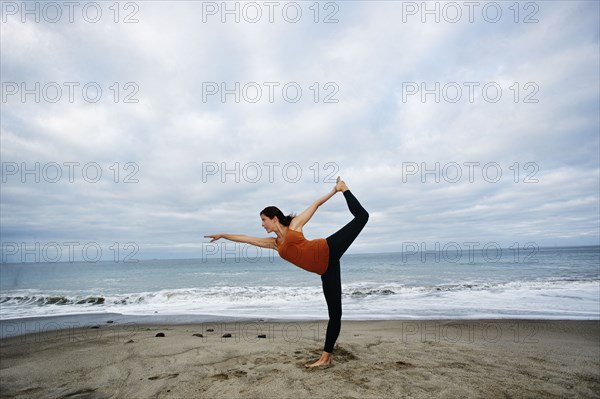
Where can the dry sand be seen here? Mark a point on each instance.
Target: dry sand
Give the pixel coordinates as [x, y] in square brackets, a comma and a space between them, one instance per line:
[373, 359]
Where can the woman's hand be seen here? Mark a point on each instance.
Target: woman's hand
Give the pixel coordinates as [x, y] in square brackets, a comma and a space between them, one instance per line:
[214, 237]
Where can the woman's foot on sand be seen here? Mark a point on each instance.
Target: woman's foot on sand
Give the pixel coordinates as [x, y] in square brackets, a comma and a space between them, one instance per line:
[340, 185]
[324, 361]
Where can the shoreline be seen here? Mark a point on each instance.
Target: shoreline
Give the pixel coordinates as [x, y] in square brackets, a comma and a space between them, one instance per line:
[45, 324]
[375, 358]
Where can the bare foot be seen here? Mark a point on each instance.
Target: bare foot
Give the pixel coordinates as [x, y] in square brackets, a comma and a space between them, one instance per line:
[340, 185]
[324, 361]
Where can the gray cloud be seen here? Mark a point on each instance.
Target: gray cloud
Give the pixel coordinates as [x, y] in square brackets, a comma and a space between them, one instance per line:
[370, 136]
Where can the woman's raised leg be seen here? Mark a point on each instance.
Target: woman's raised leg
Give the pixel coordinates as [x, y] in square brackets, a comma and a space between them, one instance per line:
[341, 240]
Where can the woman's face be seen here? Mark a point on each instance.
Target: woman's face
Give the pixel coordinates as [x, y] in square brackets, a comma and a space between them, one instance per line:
[268, 224]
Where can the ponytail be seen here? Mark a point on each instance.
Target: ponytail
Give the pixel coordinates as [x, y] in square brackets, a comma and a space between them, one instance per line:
[272, 211]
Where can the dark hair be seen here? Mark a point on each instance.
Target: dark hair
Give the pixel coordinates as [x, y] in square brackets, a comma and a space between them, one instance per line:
[272, 211]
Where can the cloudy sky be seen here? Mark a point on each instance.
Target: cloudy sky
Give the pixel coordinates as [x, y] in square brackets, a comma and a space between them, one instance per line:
[151, 123]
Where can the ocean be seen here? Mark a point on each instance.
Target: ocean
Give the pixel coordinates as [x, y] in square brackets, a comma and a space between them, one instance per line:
[545, 283]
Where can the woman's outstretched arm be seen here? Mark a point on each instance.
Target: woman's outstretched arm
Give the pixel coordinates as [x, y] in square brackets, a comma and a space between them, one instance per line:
[268, 242]
[299, 221]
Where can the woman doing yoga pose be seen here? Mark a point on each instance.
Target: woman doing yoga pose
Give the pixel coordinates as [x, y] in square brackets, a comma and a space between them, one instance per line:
[321, 256]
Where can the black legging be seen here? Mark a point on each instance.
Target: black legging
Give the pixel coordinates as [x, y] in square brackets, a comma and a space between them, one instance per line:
[338, 243]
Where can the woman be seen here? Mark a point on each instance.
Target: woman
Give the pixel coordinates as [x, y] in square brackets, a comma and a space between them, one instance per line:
[321, 256]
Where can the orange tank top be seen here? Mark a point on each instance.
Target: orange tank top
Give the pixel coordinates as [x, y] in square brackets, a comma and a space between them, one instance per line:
[310, 255]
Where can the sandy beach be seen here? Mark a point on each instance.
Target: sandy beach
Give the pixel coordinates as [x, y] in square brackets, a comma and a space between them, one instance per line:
[373, 359]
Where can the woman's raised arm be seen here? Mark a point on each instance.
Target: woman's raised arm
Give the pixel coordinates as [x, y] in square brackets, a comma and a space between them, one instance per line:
[299, 221]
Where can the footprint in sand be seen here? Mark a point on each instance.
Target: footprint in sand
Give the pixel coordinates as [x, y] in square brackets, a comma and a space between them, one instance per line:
[402, 365]
[342, 355]
[163, 376]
